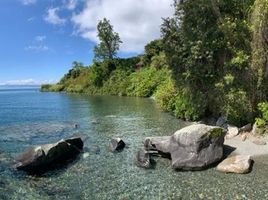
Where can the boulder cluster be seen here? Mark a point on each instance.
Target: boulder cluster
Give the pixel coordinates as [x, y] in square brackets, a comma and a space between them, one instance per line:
[194, 147]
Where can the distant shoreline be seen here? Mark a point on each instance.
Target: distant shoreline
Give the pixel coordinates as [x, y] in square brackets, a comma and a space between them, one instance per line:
[4, 88]
[19, 85]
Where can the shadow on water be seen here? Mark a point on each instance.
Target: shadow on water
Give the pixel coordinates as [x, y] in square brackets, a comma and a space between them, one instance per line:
[53, 170]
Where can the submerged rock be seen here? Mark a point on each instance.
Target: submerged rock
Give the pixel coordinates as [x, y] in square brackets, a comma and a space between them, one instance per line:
[191, 148]
[117, 144]
[85, 155]
[143, 159]
[236, 164]
[43, 157]
[95, 121]
[76, 126]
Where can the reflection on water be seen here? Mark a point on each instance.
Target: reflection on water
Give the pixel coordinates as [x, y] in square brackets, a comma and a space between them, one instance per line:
[33, 118]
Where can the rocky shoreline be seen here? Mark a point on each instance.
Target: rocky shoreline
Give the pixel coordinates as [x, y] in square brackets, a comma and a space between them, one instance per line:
[236, 152]
[194, 147]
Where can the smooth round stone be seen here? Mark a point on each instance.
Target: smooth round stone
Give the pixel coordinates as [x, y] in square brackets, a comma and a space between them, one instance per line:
[235, 164]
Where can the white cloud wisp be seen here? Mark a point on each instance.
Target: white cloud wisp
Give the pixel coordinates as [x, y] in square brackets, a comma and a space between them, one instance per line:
[136, 21]
[52, 17]
[28, 2]
[38, 44]
[29, 81]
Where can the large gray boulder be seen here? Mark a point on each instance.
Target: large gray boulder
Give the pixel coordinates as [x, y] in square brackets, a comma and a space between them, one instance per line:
[43, 157]
[192, 148]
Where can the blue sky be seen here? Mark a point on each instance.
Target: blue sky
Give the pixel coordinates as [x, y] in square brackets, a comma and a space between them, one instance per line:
[41, 38]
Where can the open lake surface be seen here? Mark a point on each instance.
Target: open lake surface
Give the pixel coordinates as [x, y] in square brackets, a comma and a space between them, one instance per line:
[28, 117]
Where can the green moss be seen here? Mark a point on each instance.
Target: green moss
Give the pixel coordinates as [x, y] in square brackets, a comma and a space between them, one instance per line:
[216, 132]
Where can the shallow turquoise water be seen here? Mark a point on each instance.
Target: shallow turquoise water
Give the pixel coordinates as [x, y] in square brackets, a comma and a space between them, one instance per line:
[28, 117]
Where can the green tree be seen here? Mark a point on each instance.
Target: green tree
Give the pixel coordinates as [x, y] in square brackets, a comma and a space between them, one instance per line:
[259, 44]
[74, 72]
[207, 45]
[154, 48]
[109, 41]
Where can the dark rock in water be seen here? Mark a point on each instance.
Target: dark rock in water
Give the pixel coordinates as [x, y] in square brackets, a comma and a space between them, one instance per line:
[43, 157]
[76, 142]
[194, 147]
[95, 121]
[117, 144]
[143, 159]
[76, 126]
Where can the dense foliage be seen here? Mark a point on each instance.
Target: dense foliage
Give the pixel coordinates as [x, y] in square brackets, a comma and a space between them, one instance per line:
[208, 49]
[212, 60]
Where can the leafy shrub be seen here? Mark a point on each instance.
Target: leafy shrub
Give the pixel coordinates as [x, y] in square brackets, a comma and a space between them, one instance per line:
[74, 88]
[189, 105]
[73, 73]
[117, 83]
[260, 122]
[52, 88]
[144, 82]
[100, 72]
[127, 64]
[159, 61]
[166, 95]
[237, 107]
[152, 49]
[45, 87]
[263, 119]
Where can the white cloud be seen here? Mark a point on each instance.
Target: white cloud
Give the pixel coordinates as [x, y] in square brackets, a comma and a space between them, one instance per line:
[52, 16]
[29, 81]
[28, 2]
[136, 21]
[70, 4]
[40, 38]
[37, 48]
[38, 44]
